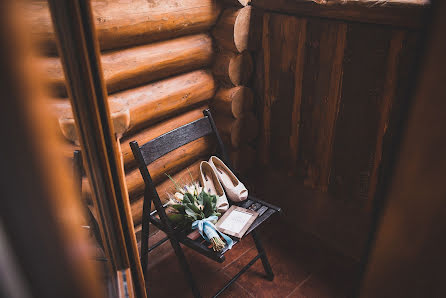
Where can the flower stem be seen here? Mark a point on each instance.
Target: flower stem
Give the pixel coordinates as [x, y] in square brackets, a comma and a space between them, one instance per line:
[217, 244]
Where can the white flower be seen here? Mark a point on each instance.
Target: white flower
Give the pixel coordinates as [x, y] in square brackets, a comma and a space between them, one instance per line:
[178, 196]
[171, 202]
[190, 189]
[197, 189]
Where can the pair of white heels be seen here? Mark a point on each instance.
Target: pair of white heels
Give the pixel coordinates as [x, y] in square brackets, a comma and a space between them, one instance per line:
[214, 176]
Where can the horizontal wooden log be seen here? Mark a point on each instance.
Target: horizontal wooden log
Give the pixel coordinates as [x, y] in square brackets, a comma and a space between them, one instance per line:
[131, 67]
[232, 31]
[156, 130]
[164, 188]
[128, 23]
[62, 110]
[409, 14]
[236, 101]
[153, 102]
[238, 131]
[233, 69]
[144, 135]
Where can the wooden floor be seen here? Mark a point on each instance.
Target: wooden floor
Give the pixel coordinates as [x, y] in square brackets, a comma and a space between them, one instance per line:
[303, 267]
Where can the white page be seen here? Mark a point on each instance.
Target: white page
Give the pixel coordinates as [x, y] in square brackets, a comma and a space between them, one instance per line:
[235, 221]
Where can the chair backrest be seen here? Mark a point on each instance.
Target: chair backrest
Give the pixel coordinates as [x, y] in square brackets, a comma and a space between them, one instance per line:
[160, 146]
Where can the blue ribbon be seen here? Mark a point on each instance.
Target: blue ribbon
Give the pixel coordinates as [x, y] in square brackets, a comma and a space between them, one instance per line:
[208, 230]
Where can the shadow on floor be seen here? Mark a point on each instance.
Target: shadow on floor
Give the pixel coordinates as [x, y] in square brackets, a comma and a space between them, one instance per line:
[303, 267]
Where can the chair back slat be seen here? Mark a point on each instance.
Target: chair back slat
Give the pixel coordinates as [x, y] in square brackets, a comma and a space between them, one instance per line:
[174, 139]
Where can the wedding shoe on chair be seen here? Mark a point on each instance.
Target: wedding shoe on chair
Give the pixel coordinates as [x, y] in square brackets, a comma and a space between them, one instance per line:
[234, 189]
[211, 185]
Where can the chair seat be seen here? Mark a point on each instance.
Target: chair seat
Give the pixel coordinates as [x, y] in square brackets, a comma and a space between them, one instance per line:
[264, 209]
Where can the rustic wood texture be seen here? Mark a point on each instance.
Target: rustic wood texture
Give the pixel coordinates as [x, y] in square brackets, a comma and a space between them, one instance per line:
[119, 114]
[400, 67]
[327, 92]
[359, 113]
[153, 102]
[236, 101]
[297, 99]
[263, 87]
[233, 69]
[279, 50]
[321, 96]
[156, 101]
[238, 131]
[233, 28]
[395, 48]
[134, 66]
[122, 24]
[145, 135]
[409, 14]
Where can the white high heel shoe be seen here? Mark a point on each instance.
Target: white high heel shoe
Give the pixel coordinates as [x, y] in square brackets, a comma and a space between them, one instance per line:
[234, 189]
[211, 185]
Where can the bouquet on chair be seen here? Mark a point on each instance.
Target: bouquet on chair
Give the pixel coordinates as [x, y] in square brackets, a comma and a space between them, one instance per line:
[192, 207]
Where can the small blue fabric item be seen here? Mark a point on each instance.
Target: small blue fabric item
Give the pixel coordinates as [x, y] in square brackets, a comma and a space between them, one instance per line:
[208, 230]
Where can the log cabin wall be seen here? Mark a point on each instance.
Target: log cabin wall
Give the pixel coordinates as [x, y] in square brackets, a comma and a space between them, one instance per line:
[157, 58]
[233, 104]
[330, 78]
[318, 82]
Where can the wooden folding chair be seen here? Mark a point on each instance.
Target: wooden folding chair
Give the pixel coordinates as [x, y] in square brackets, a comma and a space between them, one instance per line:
[156, 148]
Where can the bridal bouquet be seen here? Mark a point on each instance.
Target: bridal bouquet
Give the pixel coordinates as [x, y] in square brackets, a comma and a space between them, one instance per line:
[192, 207]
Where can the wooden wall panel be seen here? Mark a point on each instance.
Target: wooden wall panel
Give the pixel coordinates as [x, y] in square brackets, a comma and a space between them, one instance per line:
[402, 55]
[321, 85]
[297, 99]
[365, 70]
[279, 44]
[401, 13]
[261, 85]
[327, 93]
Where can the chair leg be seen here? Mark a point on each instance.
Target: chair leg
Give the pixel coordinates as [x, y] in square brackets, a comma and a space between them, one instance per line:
[263, 257]
[185, 266]
[144, 247]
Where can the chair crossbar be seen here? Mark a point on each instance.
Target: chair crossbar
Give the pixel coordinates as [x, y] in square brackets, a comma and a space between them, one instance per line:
[240, 273]
[157, 244]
